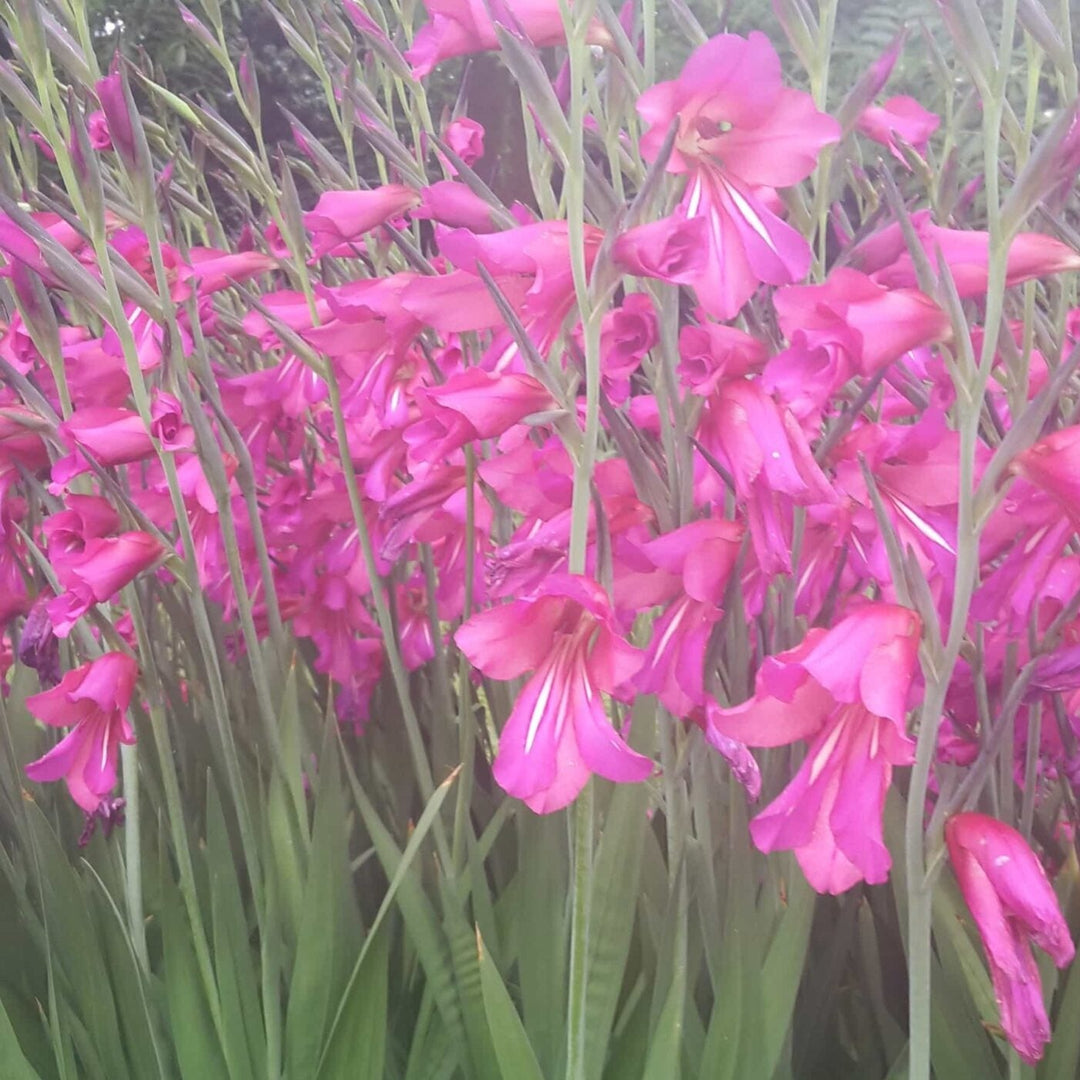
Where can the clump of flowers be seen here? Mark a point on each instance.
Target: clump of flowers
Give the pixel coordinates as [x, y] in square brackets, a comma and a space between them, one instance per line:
[665, 452]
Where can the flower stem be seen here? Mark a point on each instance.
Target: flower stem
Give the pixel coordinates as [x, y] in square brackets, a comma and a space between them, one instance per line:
[129, 762]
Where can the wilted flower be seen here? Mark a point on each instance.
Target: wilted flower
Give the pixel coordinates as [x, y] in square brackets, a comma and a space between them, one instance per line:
[1012, 902]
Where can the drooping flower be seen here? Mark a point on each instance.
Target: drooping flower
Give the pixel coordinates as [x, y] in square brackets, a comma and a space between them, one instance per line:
[845, 691]
[558, 732]
[1012, 903]
[92, 700]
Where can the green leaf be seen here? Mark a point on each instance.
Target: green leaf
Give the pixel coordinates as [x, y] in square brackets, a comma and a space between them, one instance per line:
[319, 943]
[197, 1047]
[420, 921]
[348, 1009]
[1063, 1056]
[616, 876]
[543, 933]
[783, 967]
[665, 1047]
[75, 946]
[13, 1064]
[357, 1046]
[243, 1034]
[517, 1060]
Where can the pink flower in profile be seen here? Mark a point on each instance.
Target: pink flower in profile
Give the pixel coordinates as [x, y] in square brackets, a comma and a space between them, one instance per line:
[454, 204]
[1012, 902]
[99, 571]
[340, 218]
[741, 134]
[460, 27]
[92, 700]
[472, 404]
[885, 323]
[845, 691]
[559, 732]
[885, 257]
[903, 116]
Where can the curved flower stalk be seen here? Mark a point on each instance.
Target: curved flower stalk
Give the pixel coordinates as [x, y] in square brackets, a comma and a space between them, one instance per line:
[559, 732]
[1012, 903]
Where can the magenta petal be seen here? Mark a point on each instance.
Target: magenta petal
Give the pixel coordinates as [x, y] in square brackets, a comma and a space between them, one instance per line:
[507, 641]
[58, 762]
[856, 817]
[769, 720]
[602, 748]
[777, 253]
[538, 759]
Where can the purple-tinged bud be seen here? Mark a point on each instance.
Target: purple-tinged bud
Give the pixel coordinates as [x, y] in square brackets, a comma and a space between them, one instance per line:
[39, 647]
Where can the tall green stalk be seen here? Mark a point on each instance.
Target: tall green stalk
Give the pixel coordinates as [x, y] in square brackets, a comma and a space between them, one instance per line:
[971, 379]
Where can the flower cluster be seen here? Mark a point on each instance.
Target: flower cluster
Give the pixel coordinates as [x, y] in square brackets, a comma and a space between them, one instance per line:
[775, 472]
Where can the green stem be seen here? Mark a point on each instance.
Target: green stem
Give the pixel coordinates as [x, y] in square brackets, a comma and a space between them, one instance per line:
[579, 934]
[129, 762]
[971, 380]
[574, 193]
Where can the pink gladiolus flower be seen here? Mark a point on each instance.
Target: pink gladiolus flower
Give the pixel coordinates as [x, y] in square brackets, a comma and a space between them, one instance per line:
[886, 322]
[456, 205]
[741, 134]
[99, 571]
[770, 462]
[340, 218]
[92, 700]
[627, 333]
[1053, 464]
[215, 270]
[466, 138]
[1011, 901]
[845, 691]
[459, 27]
[902, 116]
[885, 257]
[84, 518]
[559, 732]
[711, 353]
[703, 554]
[110, 92]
